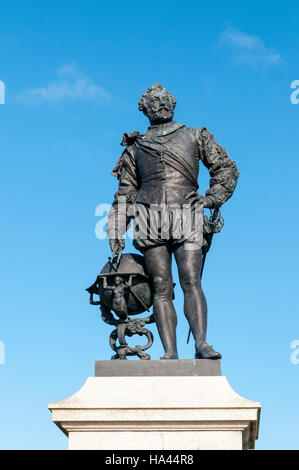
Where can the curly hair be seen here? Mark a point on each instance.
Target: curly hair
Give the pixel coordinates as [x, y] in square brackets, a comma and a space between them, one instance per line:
[142, 102]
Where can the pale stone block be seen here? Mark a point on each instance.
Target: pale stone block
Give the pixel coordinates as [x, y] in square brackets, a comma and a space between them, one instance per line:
[157, 413]
[188, 440]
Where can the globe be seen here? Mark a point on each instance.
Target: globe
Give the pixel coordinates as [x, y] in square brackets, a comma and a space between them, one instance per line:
[139, 297]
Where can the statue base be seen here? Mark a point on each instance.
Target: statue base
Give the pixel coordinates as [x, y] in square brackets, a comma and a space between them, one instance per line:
[157, 405]
[170, 368]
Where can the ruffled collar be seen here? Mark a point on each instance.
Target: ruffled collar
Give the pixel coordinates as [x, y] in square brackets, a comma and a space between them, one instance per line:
[166, 128]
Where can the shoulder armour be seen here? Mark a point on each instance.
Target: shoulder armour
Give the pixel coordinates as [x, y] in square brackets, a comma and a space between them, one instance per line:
[129, 138]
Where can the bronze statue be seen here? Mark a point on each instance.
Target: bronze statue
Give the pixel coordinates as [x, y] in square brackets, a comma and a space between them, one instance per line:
[161, 168]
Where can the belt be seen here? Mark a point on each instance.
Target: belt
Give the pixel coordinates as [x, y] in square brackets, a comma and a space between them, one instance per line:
[158, 184]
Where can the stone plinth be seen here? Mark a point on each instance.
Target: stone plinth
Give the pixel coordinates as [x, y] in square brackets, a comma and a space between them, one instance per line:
[157, 412]
[174, 367]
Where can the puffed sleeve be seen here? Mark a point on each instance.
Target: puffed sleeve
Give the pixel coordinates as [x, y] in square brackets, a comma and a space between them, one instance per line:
[128, 186]
[223, 171]
[126, 172]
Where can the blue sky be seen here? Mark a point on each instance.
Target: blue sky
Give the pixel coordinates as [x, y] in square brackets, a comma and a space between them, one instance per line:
[74, 72]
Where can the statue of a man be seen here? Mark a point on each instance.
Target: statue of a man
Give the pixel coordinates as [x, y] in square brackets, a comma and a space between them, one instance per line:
[161, 168]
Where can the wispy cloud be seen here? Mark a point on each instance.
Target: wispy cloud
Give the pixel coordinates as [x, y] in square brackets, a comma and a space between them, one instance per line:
[249, 49]
[71, 85]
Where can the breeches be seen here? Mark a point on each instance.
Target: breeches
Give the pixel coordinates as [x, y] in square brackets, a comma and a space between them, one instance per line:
[157, 225]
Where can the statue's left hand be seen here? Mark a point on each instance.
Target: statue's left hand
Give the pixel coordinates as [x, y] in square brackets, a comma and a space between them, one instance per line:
[194, 198]
[117, 246]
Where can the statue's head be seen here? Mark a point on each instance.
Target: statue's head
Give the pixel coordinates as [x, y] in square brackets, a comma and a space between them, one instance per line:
[157, 104]
[117, 280]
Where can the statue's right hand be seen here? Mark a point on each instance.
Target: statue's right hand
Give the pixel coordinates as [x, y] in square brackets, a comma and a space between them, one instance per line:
[116, 245]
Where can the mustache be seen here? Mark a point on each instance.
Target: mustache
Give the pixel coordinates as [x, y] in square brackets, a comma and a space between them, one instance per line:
[163, 108]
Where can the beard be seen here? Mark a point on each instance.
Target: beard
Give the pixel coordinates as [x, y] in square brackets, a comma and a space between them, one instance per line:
[161, 115]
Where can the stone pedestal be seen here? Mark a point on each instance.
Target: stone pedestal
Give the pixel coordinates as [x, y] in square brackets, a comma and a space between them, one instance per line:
[153, 405]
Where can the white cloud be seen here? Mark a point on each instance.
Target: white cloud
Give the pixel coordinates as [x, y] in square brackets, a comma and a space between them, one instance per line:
[249, 49]
[71, 86]
[68, 69]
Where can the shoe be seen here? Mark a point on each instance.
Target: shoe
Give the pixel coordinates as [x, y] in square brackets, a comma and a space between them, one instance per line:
[169, 356]
[207, 352]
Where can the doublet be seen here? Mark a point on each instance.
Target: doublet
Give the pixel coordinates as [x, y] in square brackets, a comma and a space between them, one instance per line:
[162, 166]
